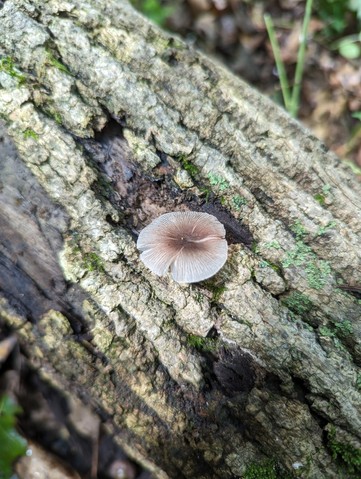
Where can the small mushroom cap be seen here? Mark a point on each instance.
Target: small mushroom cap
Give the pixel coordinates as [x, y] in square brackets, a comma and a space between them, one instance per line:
[191, 244]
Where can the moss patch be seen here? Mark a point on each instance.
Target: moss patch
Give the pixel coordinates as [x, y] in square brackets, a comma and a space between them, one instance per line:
[265, 470]
[92, 262]
[345, 454]
[7, 66]
[202, 344]
[29, 133]
[191, 168]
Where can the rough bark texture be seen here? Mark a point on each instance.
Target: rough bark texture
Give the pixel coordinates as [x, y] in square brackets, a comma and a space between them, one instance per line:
[117, 122]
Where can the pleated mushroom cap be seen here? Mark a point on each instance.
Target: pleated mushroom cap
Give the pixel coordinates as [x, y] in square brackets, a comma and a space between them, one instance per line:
[191, 244]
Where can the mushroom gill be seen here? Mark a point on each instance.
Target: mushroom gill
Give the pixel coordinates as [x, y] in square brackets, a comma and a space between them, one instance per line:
[191, 244]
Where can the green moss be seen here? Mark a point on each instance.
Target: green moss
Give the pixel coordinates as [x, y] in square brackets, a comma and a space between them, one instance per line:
[29, 133]
[298, 303]
[320, 198]
[57, 64]
[206, 192]
[265, 470]
[57, 117]
[92, 262]
[187, 165]
[219, 181]
[345, 454]
[298, 255]
[326, 332]
[7, 66]
[255, 247]
[358, 382]
[217, 292]
[341, 329]
[215, 288]
[202, 344]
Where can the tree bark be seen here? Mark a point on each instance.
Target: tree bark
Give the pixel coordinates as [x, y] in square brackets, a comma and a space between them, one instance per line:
[117, 122]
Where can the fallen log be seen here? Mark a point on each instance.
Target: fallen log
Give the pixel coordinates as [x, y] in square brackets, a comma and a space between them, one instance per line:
[117, 122]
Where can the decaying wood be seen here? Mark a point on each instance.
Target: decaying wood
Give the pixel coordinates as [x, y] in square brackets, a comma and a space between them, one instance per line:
[117, 122]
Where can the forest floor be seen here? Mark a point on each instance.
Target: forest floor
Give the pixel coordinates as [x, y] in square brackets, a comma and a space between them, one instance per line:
[234, 32]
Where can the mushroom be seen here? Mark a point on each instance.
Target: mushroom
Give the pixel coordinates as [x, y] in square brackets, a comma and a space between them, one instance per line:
[191, 244]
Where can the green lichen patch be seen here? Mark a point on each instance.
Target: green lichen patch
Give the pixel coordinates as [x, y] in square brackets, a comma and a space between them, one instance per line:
[345, 454]
[317, 271]
[297, 303]
[322, 230]
[272, 244]
[317, 274]
[218, 181]
[238, 201]
[298, 229]
[7, 66]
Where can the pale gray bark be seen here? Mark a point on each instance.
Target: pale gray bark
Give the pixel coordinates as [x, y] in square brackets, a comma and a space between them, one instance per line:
[119, 122]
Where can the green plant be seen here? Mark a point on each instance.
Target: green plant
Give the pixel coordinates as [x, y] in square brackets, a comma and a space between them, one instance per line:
[291, 98]
[12, 445]
[335, 14]
[154, 10]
